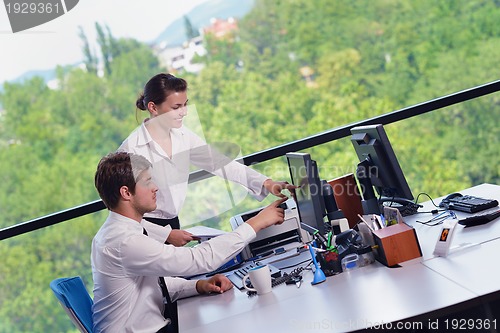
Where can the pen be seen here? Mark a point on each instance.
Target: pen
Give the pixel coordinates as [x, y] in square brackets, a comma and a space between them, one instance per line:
[321, 239]
[375, 223]
[382, 219]
[367, 224]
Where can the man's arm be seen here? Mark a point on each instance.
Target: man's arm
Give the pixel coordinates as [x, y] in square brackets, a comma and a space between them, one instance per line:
[180, 288]
[148, 257]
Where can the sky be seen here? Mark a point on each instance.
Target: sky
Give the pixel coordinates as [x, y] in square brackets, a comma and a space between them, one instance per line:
[57, 42]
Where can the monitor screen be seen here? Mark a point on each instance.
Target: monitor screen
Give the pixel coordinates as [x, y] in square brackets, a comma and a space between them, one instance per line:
[308, 196]
[383, 170]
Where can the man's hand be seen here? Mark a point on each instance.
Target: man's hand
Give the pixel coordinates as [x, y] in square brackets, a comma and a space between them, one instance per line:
[179, 237]
[276, 187]
[270, 215]
[216, 284]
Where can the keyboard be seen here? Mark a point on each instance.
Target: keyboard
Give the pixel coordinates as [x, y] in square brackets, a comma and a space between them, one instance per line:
[469, 203]
[479, 219]
[237, 276]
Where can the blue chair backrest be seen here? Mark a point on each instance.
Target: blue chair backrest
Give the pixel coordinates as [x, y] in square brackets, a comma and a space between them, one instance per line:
[74, 297]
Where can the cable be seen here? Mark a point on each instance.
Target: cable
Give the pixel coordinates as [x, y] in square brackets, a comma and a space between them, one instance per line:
[405, 207]
[286, 277]
[434, 211]
[428, 196]
[438, 219]
[300, 263]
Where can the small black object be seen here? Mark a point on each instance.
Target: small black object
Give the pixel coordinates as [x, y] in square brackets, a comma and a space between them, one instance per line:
[283, 205]
[467, 203]
[449, 197]
[479, 219]
[251, 293]
[295, 275]
[329, 262]
[294, 279]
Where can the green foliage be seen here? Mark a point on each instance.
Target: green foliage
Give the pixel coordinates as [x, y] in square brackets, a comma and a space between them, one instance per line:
[50, 143]
[295, 68]
[90, 60]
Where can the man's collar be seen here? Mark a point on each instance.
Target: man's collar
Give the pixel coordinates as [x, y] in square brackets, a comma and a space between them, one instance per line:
[122, 218]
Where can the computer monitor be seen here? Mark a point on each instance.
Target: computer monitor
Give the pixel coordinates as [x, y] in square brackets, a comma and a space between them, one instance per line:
[381, 169]
[308, 196]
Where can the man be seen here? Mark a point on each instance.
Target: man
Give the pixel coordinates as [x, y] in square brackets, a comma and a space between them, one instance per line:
[129, 253]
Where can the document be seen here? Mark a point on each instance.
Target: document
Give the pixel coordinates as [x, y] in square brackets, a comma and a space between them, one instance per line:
[205, 233]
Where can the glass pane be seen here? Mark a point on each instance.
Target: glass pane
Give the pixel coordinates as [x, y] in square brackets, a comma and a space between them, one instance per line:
[290, 70]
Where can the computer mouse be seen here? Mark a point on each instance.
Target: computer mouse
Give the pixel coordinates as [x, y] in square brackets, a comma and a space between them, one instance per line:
[447, 199]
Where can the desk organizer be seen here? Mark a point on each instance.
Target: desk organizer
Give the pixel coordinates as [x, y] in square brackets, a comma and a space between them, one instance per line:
[329, 262]
[396, 243]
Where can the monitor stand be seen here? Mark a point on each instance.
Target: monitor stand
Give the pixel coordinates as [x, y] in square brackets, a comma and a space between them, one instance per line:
[369, 201]
[372, 205]
[406, 207]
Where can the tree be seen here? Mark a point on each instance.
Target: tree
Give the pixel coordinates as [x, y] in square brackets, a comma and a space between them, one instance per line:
[103, 40]
[90, 60]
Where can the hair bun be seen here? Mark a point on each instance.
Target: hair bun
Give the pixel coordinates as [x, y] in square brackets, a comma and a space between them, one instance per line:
[140, 102]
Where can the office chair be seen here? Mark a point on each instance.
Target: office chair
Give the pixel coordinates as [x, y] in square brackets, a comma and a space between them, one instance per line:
[76, 301]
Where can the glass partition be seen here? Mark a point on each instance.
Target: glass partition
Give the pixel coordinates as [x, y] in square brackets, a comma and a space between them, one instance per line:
[290, 70]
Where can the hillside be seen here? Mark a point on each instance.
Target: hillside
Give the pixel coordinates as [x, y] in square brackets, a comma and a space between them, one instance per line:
[200, 16]
[174, 33]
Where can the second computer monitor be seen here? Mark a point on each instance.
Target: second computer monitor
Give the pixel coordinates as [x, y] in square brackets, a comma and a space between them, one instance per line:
[373, 148]
[308, 196]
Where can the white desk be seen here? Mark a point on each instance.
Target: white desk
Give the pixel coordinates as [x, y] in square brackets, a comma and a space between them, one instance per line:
[345, 302]
[428, 235]
[362, 298]
[475, 268]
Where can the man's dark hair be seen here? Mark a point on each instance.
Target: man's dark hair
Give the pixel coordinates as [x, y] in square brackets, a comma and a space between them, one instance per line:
[116, 170]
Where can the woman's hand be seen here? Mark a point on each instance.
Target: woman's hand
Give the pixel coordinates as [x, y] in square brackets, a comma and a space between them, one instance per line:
[276, 187]
[179, 237]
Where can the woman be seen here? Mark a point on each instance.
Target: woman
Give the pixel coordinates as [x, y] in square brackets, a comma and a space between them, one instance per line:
[171, 148]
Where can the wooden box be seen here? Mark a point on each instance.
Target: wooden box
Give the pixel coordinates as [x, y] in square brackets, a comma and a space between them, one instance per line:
[396, 243]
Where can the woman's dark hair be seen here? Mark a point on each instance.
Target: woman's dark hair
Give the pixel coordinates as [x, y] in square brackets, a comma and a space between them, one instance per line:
[158, 88]
[116, 170]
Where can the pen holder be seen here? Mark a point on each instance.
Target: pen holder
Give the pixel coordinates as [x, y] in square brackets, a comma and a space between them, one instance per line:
[396, 243]
[329, 262]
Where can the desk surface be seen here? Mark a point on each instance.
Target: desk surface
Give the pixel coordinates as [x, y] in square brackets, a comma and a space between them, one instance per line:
[428, 235]
[475, 268]
[348, 301]
[362, 298]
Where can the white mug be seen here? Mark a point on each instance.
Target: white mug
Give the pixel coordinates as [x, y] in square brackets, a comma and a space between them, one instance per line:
[260, 277]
